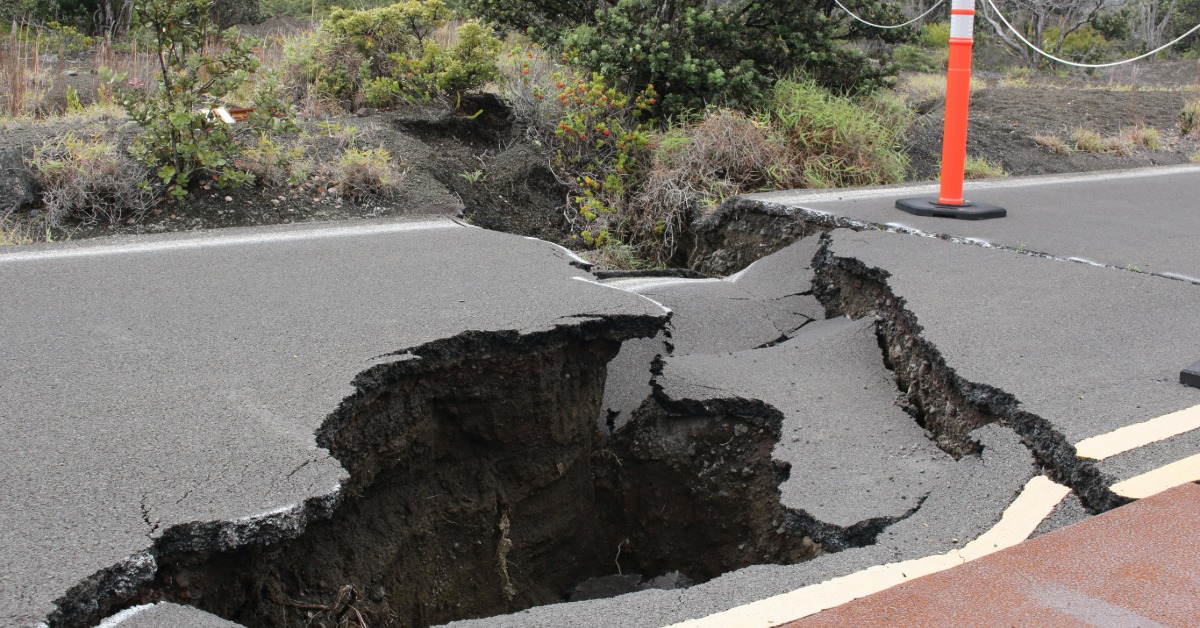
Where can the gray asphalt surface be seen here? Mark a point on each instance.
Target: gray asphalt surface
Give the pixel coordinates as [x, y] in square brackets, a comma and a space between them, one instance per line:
[1144, 218]
[148, 383]
[1089, 349]
[767, 302]
[151, 382]
[854, 454]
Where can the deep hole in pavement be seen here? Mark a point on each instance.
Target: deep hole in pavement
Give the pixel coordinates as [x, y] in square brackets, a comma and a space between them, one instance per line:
[482, 483]
[483, 480]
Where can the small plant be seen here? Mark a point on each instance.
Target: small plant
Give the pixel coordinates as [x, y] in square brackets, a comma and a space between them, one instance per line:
[472, 177]
[979, 168]
[88, 181]
[369, 174]
[1132, 268]
[1189, 117]
[1054, 143]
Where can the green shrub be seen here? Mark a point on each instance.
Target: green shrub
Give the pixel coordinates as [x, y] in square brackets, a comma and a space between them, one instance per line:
[832, 140]
[695, 52]
[88, 180]
[180, 139]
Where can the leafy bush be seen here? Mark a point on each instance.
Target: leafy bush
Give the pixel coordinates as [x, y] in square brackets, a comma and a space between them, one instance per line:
[695, 52]
[88, 181]
[180, 138]
[832, 140]
[367, 174]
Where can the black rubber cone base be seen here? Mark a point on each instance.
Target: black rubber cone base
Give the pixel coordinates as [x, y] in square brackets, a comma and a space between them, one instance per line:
[1190, 376]
[930, 207]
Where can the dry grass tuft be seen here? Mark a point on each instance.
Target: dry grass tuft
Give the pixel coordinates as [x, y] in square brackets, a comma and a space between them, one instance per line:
[1090, 141]
[89, 180]
[1146, 137]
[1054, 143]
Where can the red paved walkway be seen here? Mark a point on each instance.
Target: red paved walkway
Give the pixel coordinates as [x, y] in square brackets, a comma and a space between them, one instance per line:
[1138, 565]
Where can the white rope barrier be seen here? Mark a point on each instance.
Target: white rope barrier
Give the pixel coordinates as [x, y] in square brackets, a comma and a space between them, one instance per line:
[874, 25]
[1086, 65]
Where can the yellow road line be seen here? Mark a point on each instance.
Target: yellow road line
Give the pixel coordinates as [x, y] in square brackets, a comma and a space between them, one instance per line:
[1160, 479]
[1139, 434]
[1020, 519]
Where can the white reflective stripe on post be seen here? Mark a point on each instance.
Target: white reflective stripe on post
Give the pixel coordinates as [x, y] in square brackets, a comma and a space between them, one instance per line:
[962, 26]
[962, 19]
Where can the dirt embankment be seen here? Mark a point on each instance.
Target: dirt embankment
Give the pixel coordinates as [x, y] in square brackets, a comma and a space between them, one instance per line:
[1004, 119]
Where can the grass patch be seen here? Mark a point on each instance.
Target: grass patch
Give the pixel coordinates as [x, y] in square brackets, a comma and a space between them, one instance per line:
[979, 168]
[833, 141]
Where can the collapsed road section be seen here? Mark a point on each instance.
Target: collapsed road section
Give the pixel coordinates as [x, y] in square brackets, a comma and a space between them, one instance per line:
[419, 423]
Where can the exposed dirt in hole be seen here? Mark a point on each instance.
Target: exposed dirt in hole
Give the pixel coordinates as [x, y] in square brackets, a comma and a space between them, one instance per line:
[944, 403]
[480, 484]
[696, 489]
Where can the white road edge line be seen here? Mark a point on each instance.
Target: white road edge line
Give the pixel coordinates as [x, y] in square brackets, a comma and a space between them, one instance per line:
[120, 617]
[1137, 435]
[1036, 501]
[665, 309]
[1160, 479]
[921, 189]
[224, 240]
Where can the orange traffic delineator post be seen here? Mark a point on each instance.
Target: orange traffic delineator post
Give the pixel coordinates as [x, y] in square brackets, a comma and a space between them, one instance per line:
[950, 203]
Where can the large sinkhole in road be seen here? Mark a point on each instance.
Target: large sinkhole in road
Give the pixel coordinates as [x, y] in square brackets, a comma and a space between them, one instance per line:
[482, 484]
